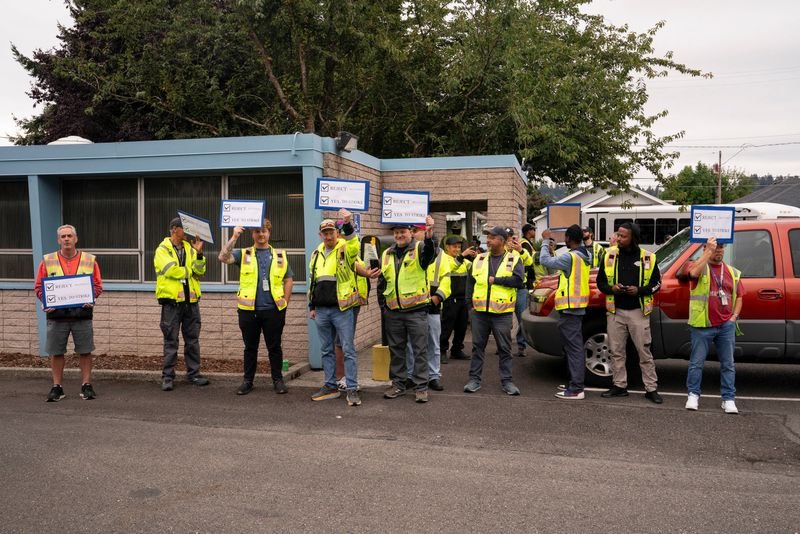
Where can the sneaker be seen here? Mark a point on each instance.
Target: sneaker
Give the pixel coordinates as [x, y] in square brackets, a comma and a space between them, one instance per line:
[56, 393]
[615, 392]
[511, 389]
[561, 387]
[353, 398]
[87, 392]
[279, 386]
[443, 357]
[653, 396]
[341, 384]
[435, 385]
[472, 386]
[245, 388]
[729, 406]
[568, 394]
[459, 355]
[199, 380]
[394, 392]
[521, 352]
[692, 402]
[421, 395]
[325, 393]
[167, 383]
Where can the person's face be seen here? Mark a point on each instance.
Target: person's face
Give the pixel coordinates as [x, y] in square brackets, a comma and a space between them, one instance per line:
[530, 235]
[178, 233]
[67, 239]
[587, 236]
[719, 253]
[453, 250]
[495, 242]
[260, 236]
[623, 237]
[402, 236]
[329, 237]
[612, 240]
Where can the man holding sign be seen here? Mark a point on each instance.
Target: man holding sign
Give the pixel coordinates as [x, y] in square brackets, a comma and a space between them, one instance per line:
[179, 266]
[69, 261]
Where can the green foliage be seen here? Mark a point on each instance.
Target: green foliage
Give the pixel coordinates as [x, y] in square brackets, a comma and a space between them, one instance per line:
[541, 80]
[698, 185]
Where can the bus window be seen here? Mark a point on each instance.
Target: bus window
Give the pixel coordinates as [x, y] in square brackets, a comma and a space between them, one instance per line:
[683, 223]
[617, 222]
[602, 236]
[592, 226]
[665, 229]
[648, 230]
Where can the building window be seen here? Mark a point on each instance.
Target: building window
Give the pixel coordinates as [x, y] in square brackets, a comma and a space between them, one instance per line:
[104, 214]
[683, 223]
[16, 254]
[618, 222]
[283, 194]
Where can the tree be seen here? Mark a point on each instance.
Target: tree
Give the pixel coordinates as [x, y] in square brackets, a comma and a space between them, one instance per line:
[542, 80]
[698, 185]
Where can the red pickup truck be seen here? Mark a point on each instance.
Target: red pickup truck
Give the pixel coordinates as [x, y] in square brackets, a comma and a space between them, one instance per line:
[768, 254]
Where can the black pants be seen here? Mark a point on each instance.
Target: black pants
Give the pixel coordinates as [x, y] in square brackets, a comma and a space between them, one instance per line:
[454, 321]
[253, 324]
[175, 319]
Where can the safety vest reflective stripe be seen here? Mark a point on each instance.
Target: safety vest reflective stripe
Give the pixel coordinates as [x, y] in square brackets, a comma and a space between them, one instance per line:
[53, 266]
[494, 298]
[325, 278]
[647, 264]
[247, 303]
[698, 297]
[407, 286]
[248, 279]
[167, 267]
[501, 307]
[573, 291]
[435, 281]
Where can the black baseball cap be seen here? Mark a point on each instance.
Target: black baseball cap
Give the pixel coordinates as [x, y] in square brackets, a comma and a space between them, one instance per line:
[453, 239]
[527, 227]
[498, 231]
[176, 223]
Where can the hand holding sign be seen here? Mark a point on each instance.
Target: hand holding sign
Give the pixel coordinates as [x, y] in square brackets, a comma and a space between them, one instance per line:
[345, 215]
[197, 245]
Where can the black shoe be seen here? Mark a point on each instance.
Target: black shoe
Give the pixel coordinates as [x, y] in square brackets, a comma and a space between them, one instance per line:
[394, 392]
[653, 396]
[279, 386]
[443, 357]
[199, 380]
[167, 383]
[435, 385]
[521, 352]
[460, 355]
[615, 392]
[56, 393]
[87, 392]
[245, 388]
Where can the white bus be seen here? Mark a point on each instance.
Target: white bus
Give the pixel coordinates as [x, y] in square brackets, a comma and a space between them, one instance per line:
[659, 223]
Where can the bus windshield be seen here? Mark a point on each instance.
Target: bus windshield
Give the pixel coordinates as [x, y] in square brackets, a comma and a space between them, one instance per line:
[669, 252]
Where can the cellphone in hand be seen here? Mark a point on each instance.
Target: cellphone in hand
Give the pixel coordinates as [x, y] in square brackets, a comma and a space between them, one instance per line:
[374, 263]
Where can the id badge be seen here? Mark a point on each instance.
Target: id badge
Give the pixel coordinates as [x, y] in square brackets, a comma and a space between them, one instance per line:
[265, 284]
[723, 298]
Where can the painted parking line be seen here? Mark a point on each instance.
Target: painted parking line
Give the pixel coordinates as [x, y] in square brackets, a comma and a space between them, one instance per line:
[666, 393]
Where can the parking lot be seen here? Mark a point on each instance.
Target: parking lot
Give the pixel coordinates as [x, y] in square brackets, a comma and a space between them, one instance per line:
[205, 460]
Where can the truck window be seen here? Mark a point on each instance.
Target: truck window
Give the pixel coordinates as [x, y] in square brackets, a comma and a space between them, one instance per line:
[648, 230]
[751, 253]
[794, 245]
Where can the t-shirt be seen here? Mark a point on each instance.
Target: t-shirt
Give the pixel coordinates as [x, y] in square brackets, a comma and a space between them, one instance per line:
[264, 300]
[719, 314]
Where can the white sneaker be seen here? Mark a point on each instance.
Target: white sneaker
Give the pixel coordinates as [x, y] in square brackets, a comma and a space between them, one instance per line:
[729, 406]
[693, 402]
[341, 385]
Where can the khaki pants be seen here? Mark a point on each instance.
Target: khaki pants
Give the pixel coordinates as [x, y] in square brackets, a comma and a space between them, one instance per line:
[635, 324]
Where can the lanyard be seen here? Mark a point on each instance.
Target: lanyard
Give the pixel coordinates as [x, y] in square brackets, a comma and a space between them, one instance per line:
[718, 279]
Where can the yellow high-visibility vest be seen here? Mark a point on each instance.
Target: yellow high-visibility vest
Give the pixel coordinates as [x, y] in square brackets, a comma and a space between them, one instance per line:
[248, 278]
[408, 288]
[494, 298]
[647, 264]
[438, 272]
[53, 265]
[337, 267]
[597, 253]
[573, 291]
[698, 297]
[170, 275]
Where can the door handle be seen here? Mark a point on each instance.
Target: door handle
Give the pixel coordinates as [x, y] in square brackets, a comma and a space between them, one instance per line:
[770, 294]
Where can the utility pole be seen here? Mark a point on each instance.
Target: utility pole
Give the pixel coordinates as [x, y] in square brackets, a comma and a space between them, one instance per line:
[719, 179]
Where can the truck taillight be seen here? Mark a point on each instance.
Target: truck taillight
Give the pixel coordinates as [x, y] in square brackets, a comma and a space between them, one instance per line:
[537, 300]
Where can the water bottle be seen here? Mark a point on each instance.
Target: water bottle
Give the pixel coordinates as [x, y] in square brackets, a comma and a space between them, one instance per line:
[285, 365]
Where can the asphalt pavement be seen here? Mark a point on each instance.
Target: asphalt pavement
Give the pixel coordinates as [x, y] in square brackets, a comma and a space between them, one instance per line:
[205, 460]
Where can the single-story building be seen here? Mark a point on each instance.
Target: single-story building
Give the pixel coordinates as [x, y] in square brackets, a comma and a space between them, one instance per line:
[121, 197]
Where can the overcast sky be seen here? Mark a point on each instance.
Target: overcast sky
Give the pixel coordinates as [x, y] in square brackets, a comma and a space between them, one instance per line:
[750, 47]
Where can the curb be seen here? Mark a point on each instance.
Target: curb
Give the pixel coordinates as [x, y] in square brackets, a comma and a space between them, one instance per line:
[132, 374]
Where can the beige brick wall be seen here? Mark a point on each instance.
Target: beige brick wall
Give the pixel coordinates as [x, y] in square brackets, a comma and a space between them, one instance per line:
[18, 328]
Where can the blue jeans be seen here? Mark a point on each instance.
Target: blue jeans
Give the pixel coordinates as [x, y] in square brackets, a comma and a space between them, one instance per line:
[331, 321]
[724, 339]
[519, 307]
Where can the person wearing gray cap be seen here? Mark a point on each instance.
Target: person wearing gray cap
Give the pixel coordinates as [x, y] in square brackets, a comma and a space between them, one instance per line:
[492, 287]
[179, 265]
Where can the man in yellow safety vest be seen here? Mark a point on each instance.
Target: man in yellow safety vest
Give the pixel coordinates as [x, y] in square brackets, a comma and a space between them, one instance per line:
[265, 287]
[572, 298]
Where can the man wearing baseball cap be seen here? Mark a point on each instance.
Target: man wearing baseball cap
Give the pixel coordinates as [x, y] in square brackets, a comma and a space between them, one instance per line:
[492, 287]
[404, 287]
[593, 247]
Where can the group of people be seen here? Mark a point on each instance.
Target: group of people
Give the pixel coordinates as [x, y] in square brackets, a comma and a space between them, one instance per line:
[427, 293]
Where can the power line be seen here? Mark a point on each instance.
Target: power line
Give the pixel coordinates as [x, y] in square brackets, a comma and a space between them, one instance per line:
[746, 145]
